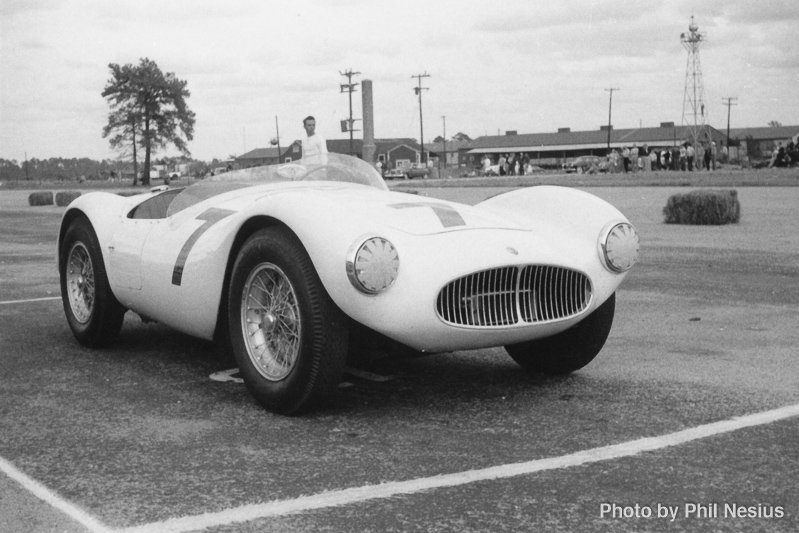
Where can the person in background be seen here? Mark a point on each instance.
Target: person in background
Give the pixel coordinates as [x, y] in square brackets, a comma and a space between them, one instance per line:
[690, 154]
[713, 155]
[314, 143]
[683, 156]
[625, 153]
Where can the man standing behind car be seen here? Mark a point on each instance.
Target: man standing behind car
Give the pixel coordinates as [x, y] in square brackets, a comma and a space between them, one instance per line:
[313, 144]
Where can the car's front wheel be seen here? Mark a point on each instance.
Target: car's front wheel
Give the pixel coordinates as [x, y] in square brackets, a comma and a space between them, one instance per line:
[288, 337]
[569, 350]
[93, 313]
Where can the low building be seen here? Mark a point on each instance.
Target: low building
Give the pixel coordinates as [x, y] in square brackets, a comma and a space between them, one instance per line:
[392, 153]
[555, 149]
[758, 143]
[267, 156]
[452, 153]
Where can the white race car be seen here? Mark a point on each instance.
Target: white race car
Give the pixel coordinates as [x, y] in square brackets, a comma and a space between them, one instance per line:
[284, 262]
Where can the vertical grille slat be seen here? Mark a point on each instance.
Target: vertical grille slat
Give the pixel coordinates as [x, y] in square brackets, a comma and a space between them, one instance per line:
[508, 296]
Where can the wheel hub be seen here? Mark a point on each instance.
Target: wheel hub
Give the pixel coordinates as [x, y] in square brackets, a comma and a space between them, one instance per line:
[270, 321]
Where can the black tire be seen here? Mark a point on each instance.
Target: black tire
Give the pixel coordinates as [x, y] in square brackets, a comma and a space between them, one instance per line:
[289, 338]
[569, 350]
[93, 312]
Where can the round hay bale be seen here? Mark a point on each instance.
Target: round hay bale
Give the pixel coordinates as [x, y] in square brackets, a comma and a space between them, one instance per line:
[40, 198]
[64, 198]
[703, 207]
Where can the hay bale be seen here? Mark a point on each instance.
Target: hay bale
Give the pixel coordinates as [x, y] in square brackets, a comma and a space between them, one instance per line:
[64, 198]
[703, 207]
[40, 198]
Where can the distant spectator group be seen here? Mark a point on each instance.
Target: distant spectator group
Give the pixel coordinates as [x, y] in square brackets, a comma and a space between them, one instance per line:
[784, 156]
[683, 157]
[509, 164]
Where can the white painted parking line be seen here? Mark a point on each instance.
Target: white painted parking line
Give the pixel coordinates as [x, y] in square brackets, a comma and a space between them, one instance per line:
[30, 300]
[337, 498]
[43, 493]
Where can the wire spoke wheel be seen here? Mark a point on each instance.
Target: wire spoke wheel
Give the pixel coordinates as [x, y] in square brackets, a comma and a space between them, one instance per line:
[270, 319]
[289, 338]
[93, 313]
[80, 282]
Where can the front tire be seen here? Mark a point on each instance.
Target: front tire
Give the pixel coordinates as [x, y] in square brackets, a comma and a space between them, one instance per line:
[93, 312]
[569, 350]
[288, 337]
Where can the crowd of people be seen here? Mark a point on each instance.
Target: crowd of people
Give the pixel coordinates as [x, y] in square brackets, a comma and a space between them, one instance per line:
[509, 164]
[685, 157]
[784, 156]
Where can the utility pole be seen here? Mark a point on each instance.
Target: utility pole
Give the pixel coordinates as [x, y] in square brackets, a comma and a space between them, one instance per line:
[610, 109]
[444, 118]
[276, 140]
[349, 87]
[729, 102]
[418, 90]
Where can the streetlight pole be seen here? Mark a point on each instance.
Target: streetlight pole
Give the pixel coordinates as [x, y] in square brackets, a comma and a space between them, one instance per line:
[610, 109]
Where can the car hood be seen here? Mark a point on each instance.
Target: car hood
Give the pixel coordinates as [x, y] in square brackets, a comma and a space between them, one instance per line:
[409, 213]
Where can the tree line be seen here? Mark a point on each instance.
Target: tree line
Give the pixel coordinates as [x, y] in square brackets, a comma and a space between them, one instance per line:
[79, 169]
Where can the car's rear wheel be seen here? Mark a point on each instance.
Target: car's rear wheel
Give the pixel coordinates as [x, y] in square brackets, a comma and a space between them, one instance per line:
[288, 337]
[569, 350]
[93, 312]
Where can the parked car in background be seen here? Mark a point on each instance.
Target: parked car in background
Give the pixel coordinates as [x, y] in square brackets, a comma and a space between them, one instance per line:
[407, 172]
[417, 170]
[586, 164]
[394, 173]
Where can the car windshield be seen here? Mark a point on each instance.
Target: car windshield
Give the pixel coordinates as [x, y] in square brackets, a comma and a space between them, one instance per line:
[323, 167]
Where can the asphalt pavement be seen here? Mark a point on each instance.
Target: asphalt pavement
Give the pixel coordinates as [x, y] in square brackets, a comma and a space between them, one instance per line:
[686, 421]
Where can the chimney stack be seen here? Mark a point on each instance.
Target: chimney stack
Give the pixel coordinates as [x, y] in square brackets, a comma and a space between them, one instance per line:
[368, 150]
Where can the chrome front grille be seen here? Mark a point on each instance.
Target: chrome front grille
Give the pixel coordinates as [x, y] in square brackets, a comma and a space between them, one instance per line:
[509, 295]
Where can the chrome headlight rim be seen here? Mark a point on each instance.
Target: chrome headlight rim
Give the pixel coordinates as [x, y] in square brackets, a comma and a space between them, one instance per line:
[606, 248]
[387, 264]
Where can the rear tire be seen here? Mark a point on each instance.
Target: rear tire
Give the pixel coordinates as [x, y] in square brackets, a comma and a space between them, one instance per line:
[93, 312]
[569, 350]
[289, 338]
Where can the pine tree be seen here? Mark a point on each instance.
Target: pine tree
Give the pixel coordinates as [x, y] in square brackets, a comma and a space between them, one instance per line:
[148, 110]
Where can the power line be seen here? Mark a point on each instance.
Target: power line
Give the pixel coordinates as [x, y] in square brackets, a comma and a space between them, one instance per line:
[418, 90]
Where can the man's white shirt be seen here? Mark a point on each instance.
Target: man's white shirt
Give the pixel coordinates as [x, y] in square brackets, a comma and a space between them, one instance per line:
[314, 145]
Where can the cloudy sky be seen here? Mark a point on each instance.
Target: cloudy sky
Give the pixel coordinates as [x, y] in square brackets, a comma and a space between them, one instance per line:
[526, 65]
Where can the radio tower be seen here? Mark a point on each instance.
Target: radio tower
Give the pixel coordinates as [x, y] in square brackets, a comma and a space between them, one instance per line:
[694, 114]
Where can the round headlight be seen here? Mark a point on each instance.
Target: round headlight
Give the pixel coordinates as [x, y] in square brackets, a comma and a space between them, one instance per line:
[372, 265]
[620, 247]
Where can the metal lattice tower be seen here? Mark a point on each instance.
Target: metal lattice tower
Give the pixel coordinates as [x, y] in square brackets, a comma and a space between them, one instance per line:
[694, 114]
